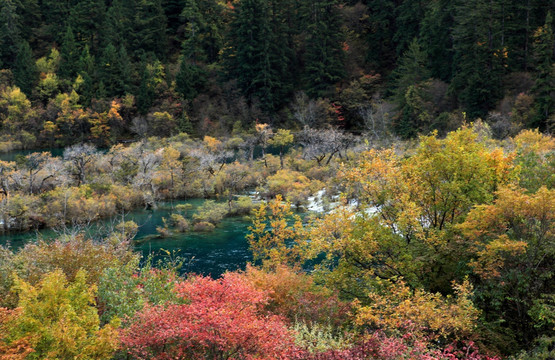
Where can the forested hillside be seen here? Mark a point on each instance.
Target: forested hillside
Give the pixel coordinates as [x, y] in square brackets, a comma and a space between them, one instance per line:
[101, 70]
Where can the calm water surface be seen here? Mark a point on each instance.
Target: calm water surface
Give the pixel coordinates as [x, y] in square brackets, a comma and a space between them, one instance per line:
[210, 253]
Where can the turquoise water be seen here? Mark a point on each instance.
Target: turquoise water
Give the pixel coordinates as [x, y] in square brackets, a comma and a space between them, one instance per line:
[210, 253]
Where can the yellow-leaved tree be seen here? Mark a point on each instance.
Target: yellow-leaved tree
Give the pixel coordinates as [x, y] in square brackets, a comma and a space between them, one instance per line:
[407, 207]
[59, 319]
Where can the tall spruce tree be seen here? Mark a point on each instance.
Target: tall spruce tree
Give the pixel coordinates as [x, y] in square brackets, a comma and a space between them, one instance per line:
[190, 79]
[408, 17]
[24, 68]
[149, 29]
[479, 55]
[87, 70]
[86, 19]
[126, 71]
[115, 71]
[324, 53]
[412, 71]
[109, 71]
[544, 87]
[381, 29]
[56, 16]
[254, 55]
[436, 38]
[69, 54]
[118, 23]
[193, 46]
[9, 33]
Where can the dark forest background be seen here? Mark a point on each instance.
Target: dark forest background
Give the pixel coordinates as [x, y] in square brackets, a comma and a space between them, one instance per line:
[103, 71]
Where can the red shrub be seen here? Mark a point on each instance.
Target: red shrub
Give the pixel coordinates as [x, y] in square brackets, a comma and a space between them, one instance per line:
[222, 319]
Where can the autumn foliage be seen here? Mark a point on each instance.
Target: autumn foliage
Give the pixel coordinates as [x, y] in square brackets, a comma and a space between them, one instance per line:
[222, 319]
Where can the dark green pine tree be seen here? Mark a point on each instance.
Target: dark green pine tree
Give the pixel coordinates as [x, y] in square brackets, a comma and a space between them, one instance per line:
[31, 21]
[147, 89]
[204, 28]
[56, 16]
[69, 54]
[324, 53]
[24, 68]
[408, 17]
[87, 71]
[544, 87]
[190, 79]
[86, 19]
[193, 46]
[381, 30]
[9, 33]
[172, 10]
[118, 23]
[479, 56]
[284, 22]
[115, 71]
[251, 57]
[149, 29]
[109, 71]
[126, 71]
[411, 71]
[436, 38]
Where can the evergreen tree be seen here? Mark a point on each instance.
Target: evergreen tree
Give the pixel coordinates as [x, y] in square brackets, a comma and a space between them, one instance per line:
[115, 71]
[126, 70]
[118, 23]
[24, 68]
[436, 38]
[192, 45]
[189, 80]
[412, 71]
[149, 29]
[544, 86]
[69, 55]
[409, 15]
[9, 33]
[324, 53]
[110, 72]
[87, 70]
[30, 17]
[255, 55]
[152, 77]
[56, 15]
[479, 55]
[172, 11]
[204, 29]
[86, 18]
[381, 29]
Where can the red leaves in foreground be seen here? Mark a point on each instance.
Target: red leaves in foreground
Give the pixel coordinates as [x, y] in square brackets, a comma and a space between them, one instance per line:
[222, 319]
[225, 319]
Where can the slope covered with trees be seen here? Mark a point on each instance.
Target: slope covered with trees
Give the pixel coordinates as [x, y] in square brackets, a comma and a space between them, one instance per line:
[210, 66]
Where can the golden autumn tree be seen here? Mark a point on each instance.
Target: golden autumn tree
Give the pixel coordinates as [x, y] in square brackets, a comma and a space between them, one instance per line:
[272, 237]
[407, 207]
[59, 320]
[512, 245]
[11, 349]
[398, 307]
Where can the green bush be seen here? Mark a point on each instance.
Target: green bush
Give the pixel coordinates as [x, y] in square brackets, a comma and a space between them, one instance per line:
[204, 226]
[211, 211]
